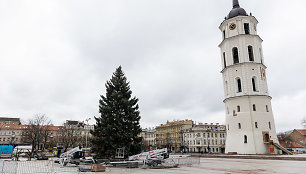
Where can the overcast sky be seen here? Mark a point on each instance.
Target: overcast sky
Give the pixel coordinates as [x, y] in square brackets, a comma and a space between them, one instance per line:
[55, 57]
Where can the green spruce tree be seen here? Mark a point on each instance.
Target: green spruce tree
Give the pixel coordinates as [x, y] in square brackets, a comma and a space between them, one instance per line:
[118, 126]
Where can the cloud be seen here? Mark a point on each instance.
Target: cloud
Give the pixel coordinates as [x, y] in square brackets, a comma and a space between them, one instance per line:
[56, 56]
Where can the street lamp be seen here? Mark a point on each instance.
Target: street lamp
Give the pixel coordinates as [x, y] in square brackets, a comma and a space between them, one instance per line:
[86, 130]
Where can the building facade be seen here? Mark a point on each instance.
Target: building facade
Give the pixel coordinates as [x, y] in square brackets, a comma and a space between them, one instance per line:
[149, 138]
[249, 118]
[170, 135]
[7, 120]
[205, 138]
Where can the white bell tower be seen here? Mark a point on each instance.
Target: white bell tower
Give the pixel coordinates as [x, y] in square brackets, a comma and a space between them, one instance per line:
[249, 117]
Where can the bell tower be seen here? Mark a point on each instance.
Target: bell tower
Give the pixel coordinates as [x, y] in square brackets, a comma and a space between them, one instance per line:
[249, 117]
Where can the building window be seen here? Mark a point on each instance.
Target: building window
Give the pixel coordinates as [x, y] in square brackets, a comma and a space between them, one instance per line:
[239, 125]
[228, 127]
[254, 84]
[224, 60]
[204, 141]
[234, 113]
[269, 125]
[267, 108]
[238, 108]
[223, 34]
[246, 28]
[256, 125]
[212, 135]
[254, 107]
[245, 139]
[235, 55]
[239, 88]
[208, 135]
[251, 54]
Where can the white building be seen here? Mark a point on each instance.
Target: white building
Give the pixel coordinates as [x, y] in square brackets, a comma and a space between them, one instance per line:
[149, 136]
[249, 118]
[204, 138]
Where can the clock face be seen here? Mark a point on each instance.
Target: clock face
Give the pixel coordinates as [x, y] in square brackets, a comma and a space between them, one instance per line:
[232, 26]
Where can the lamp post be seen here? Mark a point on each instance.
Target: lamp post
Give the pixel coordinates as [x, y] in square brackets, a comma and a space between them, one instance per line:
[87, 119]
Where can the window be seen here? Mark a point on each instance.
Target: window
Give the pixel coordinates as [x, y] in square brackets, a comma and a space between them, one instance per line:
[267, 108]
[239, 125]
[212, 135]
[208, 135]
[245, 139]
[228, 127]
[254, 84]
[204, 141]
[254, 107]
[251, 54]
[256, 125]
[223, 34]
[239, 88]
[234, 113]
[246, 28]
[204, 135]
[238, 108]
[224, 60]
[269, 125]
[235, 55]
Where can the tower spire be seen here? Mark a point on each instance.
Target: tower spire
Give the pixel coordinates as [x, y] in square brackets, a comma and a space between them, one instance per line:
[236, 4]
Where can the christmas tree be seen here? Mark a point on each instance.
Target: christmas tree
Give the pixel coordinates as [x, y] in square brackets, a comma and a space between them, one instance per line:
[118, 126]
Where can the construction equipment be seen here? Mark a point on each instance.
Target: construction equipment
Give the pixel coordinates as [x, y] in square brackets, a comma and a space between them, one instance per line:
[72, 156]
[151, 158]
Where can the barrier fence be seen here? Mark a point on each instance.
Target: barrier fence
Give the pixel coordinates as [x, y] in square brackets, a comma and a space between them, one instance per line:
[35, 166]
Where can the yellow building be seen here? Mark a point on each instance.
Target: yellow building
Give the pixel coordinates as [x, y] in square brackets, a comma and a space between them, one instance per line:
[170, 135]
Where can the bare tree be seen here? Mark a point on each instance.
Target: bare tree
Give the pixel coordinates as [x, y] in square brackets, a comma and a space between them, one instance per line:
[303, 122]
[69, 138]
[37, 132]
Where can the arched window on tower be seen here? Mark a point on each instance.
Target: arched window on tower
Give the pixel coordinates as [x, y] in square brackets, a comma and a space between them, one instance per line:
[254, 86]
[238, 108]
[235, 55]
[224, 60]
[251, 54]
[245, 139]
[254, 107]
[246, 28]
[239, 87]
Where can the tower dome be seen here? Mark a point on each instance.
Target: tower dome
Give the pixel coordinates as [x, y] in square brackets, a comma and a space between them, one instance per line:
[236, 11]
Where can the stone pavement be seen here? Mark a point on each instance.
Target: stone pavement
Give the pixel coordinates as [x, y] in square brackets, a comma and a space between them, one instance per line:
[225, 166]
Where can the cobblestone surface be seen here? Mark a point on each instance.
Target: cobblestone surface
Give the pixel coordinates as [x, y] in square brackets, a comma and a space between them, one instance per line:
[207, 165]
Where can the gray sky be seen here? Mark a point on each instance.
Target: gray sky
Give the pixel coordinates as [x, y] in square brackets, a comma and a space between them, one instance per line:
[57, 55]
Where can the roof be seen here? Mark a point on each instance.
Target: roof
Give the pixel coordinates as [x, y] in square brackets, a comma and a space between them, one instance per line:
[290, 144]
[236, 11]
[9, 119]
[21, 127]
[302, 131]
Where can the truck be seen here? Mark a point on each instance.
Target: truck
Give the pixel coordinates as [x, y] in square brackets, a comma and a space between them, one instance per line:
[73, 156]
